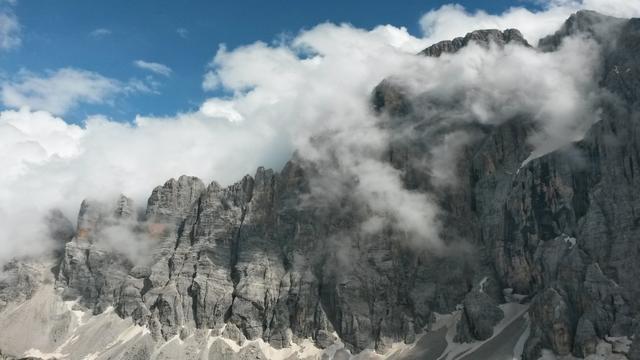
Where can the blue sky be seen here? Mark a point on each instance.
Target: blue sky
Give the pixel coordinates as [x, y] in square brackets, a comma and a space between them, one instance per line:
[106, 37]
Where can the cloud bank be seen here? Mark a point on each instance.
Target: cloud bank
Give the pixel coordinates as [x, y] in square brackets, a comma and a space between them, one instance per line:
[283, 98]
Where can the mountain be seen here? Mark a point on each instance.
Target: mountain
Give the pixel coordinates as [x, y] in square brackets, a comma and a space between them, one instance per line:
[268, 268]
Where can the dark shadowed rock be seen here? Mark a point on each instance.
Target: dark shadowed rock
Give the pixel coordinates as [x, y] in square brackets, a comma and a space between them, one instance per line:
[586, 339]
[552, 322]
[480, 314]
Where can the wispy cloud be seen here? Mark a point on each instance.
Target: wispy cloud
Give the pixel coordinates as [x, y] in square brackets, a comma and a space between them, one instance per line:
[100, 32]
[61, 90]
[210, 81]
[182, 32]
[148, 85]
[10, 29]
[154, 67]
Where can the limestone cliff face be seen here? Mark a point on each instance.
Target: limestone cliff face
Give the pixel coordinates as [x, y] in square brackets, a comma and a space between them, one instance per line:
[256, 256]
[266, 259]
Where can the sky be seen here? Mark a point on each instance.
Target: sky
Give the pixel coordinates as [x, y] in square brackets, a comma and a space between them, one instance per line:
[102, 98]
[108, 37]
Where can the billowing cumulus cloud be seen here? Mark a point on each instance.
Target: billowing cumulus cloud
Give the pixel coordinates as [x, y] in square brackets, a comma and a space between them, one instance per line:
[311, 95]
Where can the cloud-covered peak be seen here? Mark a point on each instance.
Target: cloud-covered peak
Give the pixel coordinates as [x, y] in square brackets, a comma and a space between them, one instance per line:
[453, 20]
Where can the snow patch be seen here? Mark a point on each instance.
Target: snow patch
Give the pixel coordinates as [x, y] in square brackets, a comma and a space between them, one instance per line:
[39, 354]
[569, 240]
[483, 283]
[512, 311]
[619, 344]
[128, 334]
[78, 314]
[518, 350]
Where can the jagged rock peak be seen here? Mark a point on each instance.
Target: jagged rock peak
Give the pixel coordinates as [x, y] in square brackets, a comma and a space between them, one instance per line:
[589, 23]
[481, 37]
[172, 201]
[392, 98]
[88, 218]
[124, 208]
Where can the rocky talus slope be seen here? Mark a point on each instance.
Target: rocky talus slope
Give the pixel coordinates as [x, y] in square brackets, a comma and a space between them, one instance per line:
[265, 269]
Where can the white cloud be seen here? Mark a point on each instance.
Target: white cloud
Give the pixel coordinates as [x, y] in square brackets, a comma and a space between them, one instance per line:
[182, 32]
[223, 109]
[100, 32]
[210, 81]
[9, 31]
[27, 140]
[154, 67]
[40, 137]
[61, 90]
[146, 86]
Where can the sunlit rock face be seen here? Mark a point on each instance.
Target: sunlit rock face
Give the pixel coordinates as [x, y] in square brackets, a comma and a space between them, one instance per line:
[267, 266]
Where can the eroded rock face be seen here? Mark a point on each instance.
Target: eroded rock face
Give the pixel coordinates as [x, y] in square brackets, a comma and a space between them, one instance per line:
[480, 314]
[554, 322]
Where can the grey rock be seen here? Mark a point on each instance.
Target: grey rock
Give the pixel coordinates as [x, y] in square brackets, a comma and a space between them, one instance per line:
[634, 349]
[599, 27]
[324, 339]
[586, 339]
[19, 280]
[552, 322]
[90, 268]
[232, 332]
[221, 351]
[171, 202]
[391, 98]
[481, 37]
[480, 314]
